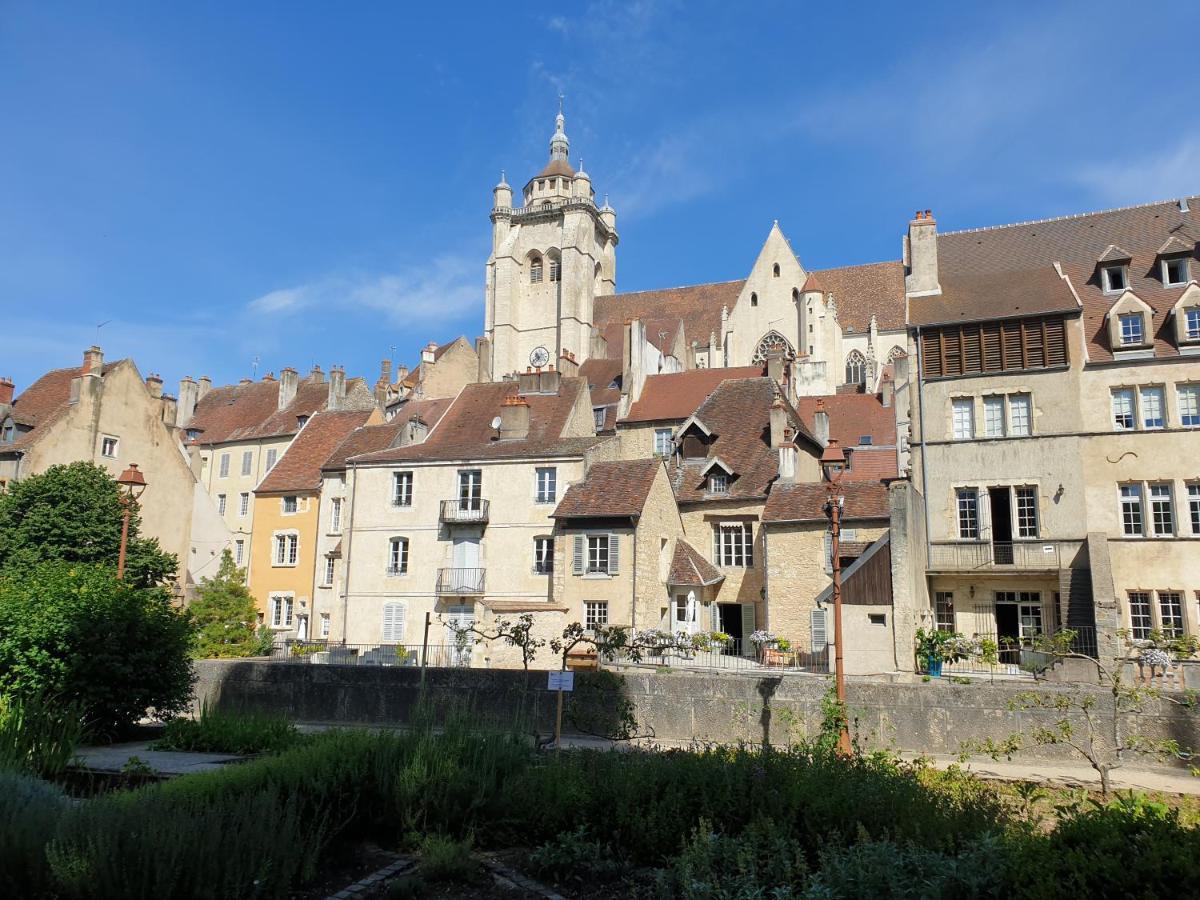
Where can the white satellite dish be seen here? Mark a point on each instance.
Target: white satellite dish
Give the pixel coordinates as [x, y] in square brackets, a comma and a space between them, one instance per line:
[496, 423]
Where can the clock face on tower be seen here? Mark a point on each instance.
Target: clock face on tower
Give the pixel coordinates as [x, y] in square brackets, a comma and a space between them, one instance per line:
[539, 357]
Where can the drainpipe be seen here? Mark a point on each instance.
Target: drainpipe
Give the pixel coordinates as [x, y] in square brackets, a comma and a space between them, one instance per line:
[633, 603]
[924, 446]
[353, 485]
[766, 594]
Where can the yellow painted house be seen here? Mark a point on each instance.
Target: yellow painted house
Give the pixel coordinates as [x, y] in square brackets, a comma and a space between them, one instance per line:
[287, 503]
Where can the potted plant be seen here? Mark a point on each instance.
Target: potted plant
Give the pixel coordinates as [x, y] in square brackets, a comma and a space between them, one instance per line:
[937, 647]
[762, 640]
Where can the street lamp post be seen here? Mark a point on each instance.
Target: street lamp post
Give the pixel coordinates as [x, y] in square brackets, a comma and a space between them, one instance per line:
[133, 485]
[833, 464]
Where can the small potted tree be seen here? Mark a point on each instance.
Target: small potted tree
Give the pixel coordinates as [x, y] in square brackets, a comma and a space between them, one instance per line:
[934, 648]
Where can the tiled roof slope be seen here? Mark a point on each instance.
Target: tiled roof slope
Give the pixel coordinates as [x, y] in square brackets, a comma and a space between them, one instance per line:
[738, 413]
[690, 569]
[299, 469]
[805, 501]
[465, 430]
[697, 306]
[1009, 270]
[860, 292]
[249, 411]
[45, 400]
[678, 394]
[851, 417]
[611, 490]
[371, 438]
[600, 374]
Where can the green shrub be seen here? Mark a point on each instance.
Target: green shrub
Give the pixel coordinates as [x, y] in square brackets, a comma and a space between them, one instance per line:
[39, 736]
[446, 859]
[575, 856]
[891, 871]
[75, 632]
[29, 813]
[225, 616]
[762, 861]
[229, 731]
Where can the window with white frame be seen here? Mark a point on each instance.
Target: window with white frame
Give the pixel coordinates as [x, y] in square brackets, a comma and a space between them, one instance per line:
[535, 270]
[733, 545]
[664, 446]
[1140, 621]
[272, 455]
[1133, 329]
[1162, 510]
[964, 418]
[1020, 414]
[943, 610]
[1114, 278]
[108, 446]
[1188, 396]
[220, 504]
[1027, 511]
[1193, 491]
[243, 504]
[330, 568]
[239, 551]
[281, 611]
[335, 515]
[394, 615]
[247, 461]
[397, 556]
[291, 505]
[595, 615]
[287, 549]
[325, 625]
[402, 488]
[1124, 414]
[1151, 401]
[543, 555]
[1170, 613]
[993, 416]
[599, 413]
[555, 269]
[1029, 614]
[545, 484]
[1132, 521]
[1191, 323]
[598, 553]
[718, 483]
[223, 472]
[1175, 271]
[967, 504]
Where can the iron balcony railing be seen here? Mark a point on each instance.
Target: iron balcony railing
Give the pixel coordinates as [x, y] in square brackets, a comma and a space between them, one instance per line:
[1031, 554]
[400, 655]
[468, 511]
[460, 581]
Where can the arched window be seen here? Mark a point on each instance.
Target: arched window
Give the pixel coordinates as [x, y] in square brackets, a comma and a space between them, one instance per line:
[897, 353]
[795, 295]
[754, 299]
[772, 342]
[535, 270]
[555, 267]
[856, 368]
[776, 270]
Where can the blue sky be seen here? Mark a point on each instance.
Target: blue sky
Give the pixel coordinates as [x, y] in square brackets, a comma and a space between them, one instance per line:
[310, 182]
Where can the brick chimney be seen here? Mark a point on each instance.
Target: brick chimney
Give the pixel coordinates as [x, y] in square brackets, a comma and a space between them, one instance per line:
[920, 255]
[821, 423]
[289, 383]
[382, 385]
[93, 361]
[337, 388]
[779, 422]
[7, 389]
[514, 418]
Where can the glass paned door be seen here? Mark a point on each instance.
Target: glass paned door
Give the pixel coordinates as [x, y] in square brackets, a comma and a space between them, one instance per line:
[470, 490]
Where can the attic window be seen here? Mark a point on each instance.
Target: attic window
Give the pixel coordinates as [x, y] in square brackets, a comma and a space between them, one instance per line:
[775, 271]
[1175, 271]
[1114, 279]
[193, 434]
[1133, 329]
[754, 299]
[300, 421]
[865, 440]
[1191, 324]
[718, 483]
[598, 415]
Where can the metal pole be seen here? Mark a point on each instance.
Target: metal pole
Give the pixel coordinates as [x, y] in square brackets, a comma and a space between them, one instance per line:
[558, 714]
[839, 659]
[425, 648]
[124, 540]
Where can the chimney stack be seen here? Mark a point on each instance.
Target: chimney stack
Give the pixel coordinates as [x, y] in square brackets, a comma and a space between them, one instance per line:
[427, 355]
[289, 383]
[514, 418]
[779, 422]
[185, 408]
[821, 423]
[549, 381]
[203, 387]
[775, 366]
[887, 390]
[383, 384]
[567, 365]
[154, 385]
[7, 389]
[414, 432]
[93, 361]
[315, 375]
[337, 388]
[920, 255]
[528, 381]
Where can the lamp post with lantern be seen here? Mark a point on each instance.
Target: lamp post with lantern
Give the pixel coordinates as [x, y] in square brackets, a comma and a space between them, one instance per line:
[133, 485]
[833, 465]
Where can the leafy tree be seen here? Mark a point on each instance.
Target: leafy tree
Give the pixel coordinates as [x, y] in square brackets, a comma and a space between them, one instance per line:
[75, 632]
[224, 615]
[73, 513]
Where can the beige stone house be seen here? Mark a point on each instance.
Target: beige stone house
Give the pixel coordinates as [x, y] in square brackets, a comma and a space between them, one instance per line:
[441, 373]
[1055, 415]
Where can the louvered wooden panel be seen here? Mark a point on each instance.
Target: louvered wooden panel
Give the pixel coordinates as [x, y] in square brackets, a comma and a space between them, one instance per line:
[1034, 343]
[1013, 355]
[931, 353]
[972, 350]
[1056, 342]
[952, 351]
[993, 360]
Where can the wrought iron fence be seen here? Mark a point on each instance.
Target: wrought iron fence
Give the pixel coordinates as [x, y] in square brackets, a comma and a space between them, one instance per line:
[399, 655]
[460, 581]
[729, 657]
[1024, 656]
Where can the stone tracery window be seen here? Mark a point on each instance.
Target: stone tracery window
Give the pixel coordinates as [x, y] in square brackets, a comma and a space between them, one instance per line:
[772, 342]
[897, 353]
[856, 368]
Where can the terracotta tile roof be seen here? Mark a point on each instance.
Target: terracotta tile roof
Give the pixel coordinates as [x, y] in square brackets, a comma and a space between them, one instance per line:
[852, 417]
[872, 464]
[371, 438]
[677, 395]
[970, 297]
[738, 413]
[611, 490]
[698, 307]
[690, 569]
[873, 289]
[600, 373]
[805, 501]
[299, 469]
[249, 411]
[45, 400]
[465, 429]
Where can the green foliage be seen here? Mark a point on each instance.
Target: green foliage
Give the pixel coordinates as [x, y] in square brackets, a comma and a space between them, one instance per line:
[225, 616]
[446, 859]
[39, 736]
[73, 513]
[229, 731]
[575, 857]
[73, 631]
[29, 813]
[762, 861]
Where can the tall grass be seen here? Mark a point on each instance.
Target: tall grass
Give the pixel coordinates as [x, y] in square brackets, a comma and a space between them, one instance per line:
[39, 735]
[229, 731]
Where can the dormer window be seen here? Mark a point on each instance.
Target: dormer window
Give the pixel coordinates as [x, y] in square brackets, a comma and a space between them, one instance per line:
[718, 483]
[1133, 330]
[1191, 323]
[301, 421]
[1114, 279]
[1175, 271]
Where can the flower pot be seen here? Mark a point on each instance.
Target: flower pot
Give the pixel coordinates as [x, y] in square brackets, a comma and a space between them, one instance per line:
[933, 667]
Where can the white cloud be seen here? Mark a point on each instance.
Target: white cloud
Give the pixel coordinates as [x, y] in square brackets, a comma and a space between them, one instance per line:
[1161, 174]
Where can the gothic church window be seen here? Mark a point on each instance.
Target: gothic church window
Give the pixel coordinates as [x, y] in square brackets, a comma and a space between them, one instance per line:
[754, 299]
[535, 270]
[772, 342]
[856, 368]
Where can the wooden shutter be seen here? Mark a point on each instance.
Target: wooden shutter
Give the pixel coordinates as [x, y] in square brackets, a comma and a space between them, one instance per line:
[1056, 343]
[393, 623]
[820, 636]
[614, 555]
[931, 353]
[580, 550]
[1010, 335]
[828, 553]
[972, 349]
[993, 360]
[747, 628]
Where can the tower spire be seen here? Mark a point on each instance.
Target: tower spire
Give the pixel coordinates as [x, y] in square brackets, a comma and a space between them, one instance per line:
[560, 147]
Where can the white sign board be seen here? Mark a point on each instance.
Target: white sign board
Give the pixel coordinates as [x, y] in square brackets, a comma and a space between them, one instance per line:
[561, 681]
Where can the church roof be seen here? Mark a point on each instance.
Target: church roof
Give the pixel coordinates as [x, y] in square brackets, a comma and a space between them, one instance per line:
[698, 307]
[860, 292]
[555, 167]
